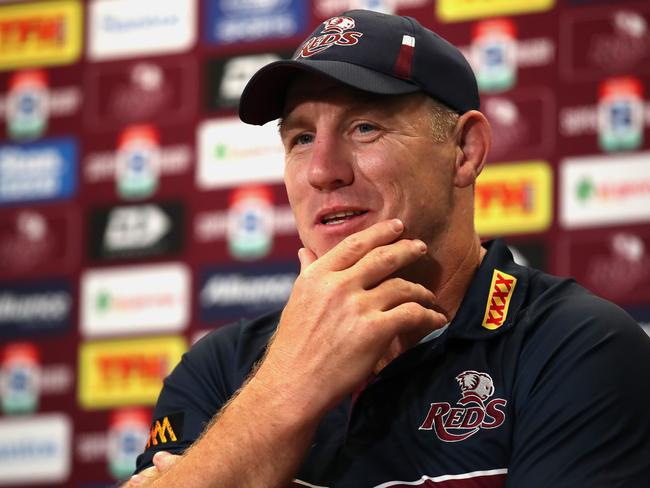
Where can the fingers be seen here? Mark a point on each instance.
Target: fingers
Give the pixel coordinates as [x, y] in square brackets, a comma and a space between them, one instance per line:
[142, 477]
[395, 291]
[411, 317]
[306, 257]
[383, 261]
[351, 249]
[164, 460]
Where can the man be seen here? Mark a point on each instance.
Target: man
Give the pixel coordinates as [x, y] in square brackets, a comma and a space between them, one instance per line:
[407, 354]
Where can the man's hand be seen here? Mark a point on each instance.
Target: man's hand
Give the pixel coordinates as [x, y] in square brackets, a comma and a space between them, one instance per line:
[162, 461]
[344, 313]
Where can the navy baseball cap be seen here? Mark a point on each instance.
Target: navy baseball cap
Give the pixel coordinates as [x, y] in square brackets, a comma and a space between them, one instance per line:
[374, 52]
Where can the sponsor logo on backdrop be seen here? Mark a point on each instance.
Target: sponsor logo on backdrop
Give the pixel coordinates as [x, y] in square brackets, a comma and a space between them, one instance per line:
[135, 299]
[136, 231]
[522, 123]
[20, 374]
[123, 29]
[514, 198]
[30, 103]
[45, 170]
[126, 372]
[119, 95]
[40, 33]
[250, 223]
[474, 410]
[232, 153]
[229, 21]
[329, 8]
[138, 163]
[128, 433]
[615, 266]
[605, 190]
[620, 114]
[456, 10]
[210, 226]
[35, 308]
[35, 449]
[608, 41]
[231, 293]
[227, 77]
[32, 241]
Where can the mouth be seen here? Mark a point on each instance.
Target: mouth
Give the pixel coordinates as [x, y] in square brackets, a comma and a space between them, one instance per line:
[338, 218]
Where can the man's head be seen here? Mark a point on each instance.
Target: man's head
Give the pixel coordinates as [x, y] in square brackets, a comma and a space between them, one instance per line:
[387, 131]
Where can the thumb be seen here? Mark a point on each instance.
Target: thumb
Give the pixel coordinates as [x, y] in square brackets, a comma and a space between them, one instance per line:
[306, 258]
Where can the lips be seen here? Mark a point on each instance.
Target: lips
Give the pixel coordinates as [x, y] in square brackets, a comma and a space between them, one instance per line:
[334, 218]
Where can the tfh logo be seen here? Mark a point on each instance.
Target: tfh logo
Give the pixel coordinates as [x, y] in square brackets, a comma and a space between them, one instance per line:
[453, 424]
[334, 32]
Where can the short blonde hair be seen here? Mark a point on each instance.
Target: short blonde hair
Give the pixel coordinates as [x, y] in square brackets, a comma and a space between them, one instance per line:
[443, 120]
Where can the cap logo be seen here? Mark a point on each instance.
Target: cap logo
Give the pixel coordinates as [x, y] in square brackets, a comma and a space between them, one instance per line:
[336, 31]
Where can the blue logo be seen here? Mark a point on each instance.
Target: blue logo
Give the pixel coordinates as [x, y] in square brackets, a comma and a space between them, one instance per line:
[40, 171]
[36, 308]
[229, 21]
[230, 293]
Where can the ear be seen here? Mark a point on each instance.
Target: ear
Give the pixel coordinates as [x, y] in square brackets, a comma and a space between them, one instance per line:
[473, 137]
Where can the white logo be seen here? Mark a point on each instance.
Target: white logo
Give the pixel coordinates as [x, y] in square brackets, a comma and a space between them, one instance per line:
[605, 190]
[232, 153]
[135, 299]
[35, 449]
[123, 29]
[135, 227]
[237, 71]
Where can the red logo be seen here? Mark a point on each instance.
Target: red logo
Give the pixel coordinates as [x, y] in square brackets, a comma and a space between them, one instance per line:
[453, 424]
[335, 32]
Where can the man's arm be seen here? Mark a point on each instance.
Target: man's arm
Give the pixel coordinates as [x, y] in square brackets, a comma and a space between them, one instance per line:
[343, 314]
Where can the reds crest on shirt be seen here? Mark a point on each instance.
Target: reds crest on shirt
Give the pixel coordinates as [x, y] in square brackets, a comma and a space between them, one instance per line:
[475, 412]
[336, 31]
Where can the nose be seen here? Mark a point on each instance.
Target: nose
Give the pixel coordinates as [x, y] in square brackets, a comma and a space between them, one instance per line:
[331, 163]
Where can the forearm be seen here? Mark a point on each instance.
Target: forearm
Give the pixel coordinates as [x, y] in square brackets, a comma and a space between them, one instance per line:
[259, 439]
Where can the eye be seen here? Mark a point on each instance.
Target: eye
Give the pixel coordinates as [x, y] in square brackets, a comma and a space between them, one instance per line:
[302, 139]
[365, 128]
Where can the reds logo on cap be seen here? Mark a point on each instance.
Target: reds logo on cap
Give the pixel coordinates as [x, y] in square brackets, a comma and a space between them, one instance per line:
[336, 31]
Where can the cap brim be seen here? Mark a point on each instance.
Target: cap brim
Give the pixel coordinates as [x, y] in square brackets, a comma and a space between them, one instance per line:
[263, 97]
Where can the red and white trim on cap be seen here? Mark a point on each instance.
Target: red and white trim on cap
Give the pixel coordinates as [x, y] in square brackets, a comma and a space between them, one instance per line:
[404, 61]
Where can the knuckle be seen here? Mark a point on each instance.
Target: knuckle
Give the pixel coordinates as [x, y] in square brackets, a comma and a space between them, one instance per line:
[354, 243]
[387, 256]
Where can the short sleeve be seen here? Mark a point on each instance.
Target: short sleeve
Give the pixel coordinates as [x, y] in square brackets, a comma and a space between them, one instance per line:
[582, 399]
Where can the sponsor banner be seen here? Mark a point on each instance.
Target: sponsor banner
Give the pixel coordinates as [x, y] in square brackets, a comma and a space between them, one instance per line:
[514, 198]
[227, 77]
[40, 171]
[232, 153]
[135, 300]
[457, 10]
[143, 158]
[40, 33]
[35, 449]
[615, 265]
[128, 433]
[229, 293]
[523, 123]
[126, 372]
[605, 190]
[124, 29]
[20, 378]
[230, 21]
[330, 8]
[136, 231]
[137, 92]
[35, 241]
[31, 101]
[35, 308]
[604, 42]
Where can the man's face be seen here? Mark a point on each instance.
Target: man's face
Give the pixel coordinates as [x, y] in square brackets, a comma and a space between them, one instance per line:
[354, 159]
